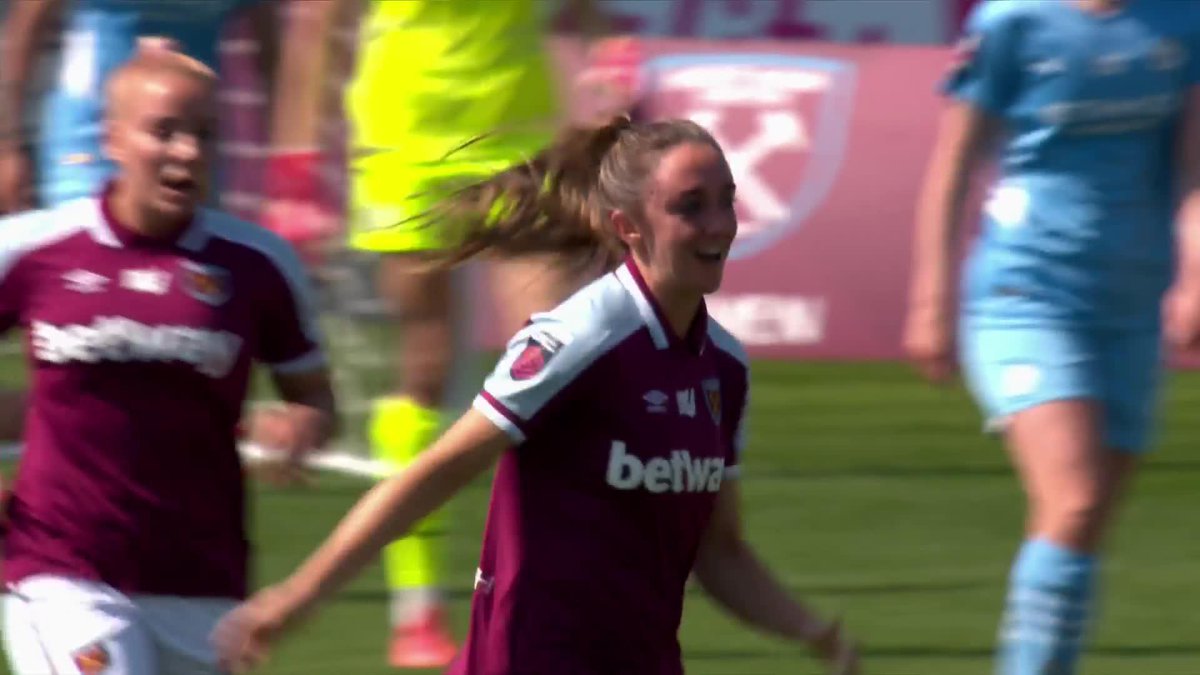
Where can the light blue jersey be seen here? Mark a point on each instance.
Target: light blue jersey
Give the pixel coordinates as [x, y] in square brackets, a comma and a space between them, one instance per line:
[1077, 230]
[99, 35]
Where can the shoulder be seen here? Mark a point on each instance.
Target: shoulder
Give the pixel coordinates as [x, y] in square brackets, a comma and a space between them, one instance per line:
[32, 231]
[993, 14]
[1002, 20]
[590, 324]
[264, 245]
[728, 346]
[733, 364]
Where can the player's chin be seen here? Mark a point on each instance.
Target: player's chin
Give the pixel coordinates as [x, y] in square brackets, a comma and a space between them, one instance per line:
[708, 274]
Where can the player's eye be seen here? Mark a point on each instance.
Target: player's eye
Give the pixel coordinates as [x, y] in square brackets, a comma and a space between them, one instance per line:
[689, 204]
[163, 130]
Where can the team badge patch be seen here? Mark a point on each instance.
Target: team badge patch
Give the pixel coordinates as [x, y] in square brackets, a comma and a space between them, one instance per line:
[209, 284]
[532, 359]
[712, 397]
[93, 659]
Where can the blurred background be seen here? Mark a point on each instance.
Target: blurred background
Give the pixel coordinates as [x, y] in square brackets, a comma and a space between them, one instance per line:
[874, 494]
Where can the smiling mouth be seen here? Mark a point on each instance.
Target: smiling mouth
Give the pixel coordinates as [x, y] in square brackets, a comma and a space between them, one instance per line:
[181, 185]
[712, 255]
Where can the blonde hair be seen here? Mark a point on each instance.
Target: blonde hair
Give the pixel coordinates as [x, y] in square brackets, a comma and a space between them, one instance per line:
[560, 200]
[154, 56]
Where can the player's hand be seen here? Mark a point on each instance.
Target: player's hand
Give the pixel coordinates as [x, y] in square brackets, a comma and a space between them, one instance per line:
[1181, 314]
[292, 430]
[243, 638]
[304, 223]
[296, 206]
[16, 179]
[929, 342]
[837, 650]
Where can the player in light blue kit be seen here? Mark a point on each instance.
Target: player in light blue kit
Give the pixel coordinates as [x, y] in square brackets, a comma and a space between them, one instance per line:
[97, 36]
[1093, 105]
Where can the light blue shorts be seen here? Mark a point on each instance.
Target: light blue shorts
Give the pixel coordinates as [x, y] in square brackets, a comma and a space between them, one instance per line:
[1013, 369]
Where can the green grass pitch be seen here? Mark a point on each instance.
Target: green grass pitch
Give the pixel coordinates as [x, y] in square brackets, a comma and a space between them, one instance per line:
[873, 496]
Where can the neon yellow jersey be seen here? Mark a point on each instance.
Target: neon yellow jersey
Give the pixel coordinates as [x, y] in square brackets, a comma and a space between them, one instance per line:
[433, 74]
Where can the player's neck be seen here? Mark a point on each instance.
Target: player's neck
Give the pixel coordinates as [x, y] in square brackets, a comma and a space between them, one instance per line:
[141, 220]
[678, 308]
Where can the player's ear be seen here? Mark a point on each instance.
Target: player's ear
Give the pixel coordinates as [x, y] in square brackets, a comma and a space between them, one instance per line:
[626, 230]
[109, 139]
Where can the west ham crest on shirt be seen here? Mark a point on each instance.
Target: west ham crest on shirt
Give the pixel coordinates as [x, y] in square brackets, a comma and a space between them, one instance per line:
[712, 397]
[209, 284]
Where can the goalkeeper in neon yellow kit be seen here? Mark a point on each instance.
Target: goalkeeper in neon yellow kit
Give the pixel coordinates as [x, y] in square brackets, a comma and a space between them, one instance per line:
[430, 76]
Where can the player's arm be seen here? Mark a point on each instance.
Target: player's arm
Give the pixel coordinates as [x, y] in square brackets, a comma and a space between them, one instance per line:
[292, 181]
[307, 418]
[387, 512]
[25, 27]
[732, 573]
[1189, 175]
[264, 19]
[1183, 305]
[301, 76]
[12, 414]
[981, 85]
[964, 132]
[391, 509]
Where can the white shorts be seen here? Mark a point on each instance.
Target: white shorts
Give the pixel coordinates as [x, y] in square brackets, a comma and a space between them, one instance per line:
[60, 626]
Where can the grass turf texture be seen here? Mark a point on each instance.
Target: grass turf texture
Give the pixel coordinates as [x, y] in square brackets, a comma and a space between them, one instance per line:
[873, 496]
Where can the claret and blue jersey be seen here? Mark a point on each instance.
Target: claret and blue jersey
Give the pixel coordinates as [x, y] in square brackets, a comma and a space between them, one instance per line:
[1078, 227]
[623, 434]
[140, 353]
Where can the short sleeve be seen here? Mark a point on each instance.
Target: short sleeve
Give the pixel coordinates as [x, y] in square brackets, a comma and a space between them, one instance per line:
[984, 70]
[18, 236]
[11, 294]
[542, 363]
[290, 335]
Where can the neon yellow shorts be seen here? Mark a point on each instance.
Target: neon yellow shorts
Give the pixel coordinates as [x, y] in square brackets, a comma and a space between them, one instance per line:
[388, 193]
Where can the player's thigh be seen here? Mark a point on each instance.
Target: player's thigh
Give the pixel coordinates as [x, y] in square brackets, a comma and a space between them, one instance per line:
[1134, 372]
[55, 626]
[1011, 370]
[1047, 388]
[181, 630]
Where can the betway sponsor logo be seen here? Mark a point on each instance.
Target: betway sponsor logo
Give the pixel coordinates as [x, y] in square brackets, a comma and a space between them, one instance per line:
[115, 338]
[680, 473]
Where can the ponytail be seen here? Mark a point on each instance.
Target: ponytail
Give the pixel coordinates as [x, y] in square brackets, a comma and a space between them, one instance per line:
[548, 204]
[559, 201]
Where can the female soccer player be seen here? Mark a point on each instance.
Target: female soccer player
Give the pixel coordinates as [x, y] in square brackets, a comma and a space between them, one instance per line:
[65, 159]
[125, 538]
[431, 74]
[1095, 107]
[616, 419]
